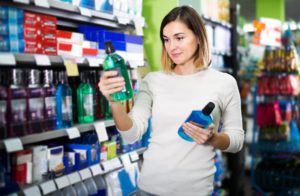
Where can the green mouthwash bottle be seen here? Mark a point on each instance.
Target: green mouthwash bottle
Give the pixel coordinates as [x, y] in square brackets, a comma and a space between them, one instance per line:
[115, 62]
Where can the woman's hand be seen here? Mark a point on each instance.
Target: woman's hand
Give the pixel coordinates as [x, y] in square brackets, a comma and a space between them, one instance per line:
[110, 83]
[197, 133]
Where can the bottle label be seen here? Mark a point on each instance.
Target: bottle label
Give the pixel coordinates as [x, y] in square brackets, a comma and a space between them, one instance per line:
[18, 110]
[118, 69]
[36, 109]
[88, 106]
[67, 107]
[3, 109]
[50, 105]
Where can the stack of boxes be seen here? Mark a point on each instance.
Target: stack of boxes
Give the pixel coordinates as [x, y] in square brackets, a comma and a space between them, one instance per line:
[40, 34]
[11, 29]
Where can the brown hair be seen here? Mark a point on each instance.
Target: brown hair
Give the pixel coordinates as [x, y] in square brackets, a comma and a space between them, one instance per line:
[193, 21]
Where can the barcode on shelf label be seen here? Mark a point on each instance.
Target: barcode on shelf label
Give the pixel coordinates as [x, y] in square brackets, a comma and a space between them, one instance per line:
[22, 1]
[42, 60]
[74, 178]
[34, 190]
[134, 156]
[85, 11]
[13, 145]
[42, 3]
[48, 187]
[96, 170]
[85, 173]
[101, 131]
[7, 59]
[73, 132]
[62, 182]
[126, 160]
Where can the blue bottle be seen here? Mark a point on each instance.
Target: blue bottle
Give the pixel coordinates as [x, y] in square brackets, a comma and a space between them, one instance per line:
[200, 118]
[63, 102]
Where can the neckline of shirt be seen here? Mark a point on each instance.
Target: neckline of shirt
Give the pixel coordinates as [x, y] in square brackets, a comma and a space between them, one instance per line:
[190, 75]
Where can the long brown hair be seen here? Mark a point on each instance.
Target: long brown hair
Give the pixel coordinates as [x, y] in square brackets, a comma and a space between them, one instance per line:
[193, 21]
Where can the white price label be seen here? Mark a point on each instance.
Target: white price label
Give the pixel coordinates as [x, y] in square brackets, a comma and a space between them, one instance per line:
[101, 131]
[22, 1]
[73, 132]
[85, 11]
[62, 182]
[138, 27]
[106, 166]
[85, 173]
[13, 145]
[123, 20]
[48, 187]
[42, 3]
[7, 59]
[94, 62]
[74, 178]
[126, 160]
[115, 163]
[96, 170]
[34, 190]
[134, 156]
[42, 60]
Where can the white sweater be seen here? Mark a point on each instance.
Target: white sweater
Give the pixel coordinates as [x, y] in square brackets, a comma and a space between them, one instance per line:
[173, 166]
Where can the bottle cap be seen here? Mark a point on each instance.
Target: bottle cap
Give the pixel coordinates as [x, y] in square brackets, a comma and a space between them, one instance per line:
[208, 108]
[109, 48]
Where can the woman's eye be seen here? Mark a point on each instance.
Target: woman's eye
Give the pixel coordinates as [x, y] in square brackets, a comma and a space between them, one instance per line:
[166, 40]
[180, 38]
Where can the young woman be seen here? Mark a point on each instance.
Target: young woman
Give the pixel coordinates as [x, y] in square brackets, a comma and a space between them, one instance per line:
[172, 165]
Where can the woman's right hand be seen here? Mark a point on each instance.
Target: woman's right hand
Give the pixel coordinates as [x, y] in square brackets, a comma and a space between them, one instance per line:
[110, 83]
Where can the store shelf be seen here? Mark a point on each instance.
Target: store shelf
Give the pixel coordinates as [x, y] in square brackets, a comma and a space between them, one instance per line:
[73, 13]
[216, 22]
[39, 137]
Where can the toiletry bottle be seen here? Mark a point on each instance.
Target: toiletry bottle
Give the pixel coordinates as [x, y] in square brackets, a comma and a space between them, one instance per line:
[35, 102]
[97, 95]
[115, 62]
[74, 82]
[91, 186]
[50, 101]
[3, 105]
[101, 185]
[200, 118]
[63, 102]
[17, 105]
[85, 99]
[81, 189]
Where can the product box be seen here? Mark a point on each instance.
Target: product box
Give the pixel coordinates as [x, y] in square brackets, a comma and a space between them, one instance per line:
[69, 37]
[104, 6]
[89, 154]
[40, 162]
[69, 50]
[55, 160]
[22, 166]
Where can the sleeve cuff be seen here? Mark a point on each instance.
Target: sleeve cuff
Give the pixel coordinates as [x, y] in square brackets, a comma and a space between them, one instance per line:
[130, 135]
[235, 143]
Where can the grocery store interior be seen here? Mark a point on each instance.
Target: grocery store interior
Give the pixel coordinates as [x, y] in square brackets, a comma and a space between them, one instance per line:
[57, 134]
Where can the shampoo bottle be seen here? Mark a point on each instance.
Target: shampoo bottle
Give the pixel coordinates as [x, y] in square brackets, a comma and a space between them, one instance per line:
[199, 118]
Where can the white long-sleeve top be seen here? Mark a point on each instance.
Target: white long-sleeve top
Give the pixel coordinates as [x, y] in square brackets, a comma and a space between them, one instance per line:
[173, 166]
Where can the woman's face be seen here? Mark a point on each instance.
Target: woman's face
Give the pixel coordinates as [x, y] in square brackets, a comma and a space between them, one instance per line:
[180, 43]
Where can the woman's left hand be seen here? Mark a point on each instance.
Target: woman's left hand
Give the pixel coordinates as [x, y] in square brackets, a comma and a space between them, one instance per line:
[198, 134]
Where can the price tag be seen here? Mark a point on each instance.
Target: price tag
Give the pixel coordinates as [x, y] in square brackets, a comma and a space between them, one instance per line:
[134, 156]
[71, 68]
[85, 173]
[34, 190]
[85, 12]
[48, 187]
[22, 1]
[138, 24]
[94, 62]
[96, 170]
[106, 166]
[101, 131]
[42, 3]
[133, 64]
[115, 163]
[73, 132]
[126, 160]
[7, 59]
[74, 178]
[123, 20]
[62, 182]
[13, 145]
[42, 60]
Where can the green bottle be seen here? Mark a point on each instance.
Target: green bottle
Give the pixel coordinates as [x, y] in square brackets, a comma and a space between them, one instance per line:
[85, 101]
[113, 61]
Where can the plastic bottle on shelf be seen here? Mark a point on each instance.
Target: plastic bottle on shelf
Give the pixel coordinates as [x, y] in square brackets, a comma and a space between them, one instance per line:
[115, 62]
[91, 186]
[69, 191]
[3, 106]
[200, 118]
[101, 185]
[63, 102]
[81, 189]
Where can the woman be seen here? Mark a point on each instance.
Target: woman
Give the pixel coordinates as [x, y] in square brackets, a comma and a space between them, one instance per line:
[173, 166]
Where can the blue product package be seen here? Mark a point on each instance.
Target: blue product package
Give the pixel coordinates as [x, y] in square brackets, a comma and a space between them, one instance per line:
[200, 117]
[134, 39]
[89, 31]
[104, 6]
[87, 4]
[114, 36]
